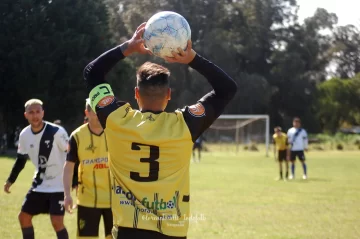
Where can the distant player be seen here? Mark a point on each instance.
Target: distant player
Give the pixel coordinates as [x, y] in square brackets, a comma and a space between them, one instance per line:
[4, 143]
[150, 149]
[87, 147]
[198, 145]
[281, 150]
[58, 122]
[298, 141]
[16, 136]
[45, 144]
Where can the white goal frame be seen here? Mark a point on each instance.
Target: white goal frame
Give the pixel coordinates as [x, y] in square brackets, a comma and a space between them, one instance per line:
[254, 117]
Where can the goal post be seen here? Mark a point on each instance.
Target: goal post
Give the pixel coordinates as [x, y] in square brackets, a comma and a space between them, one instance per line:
[236, 130]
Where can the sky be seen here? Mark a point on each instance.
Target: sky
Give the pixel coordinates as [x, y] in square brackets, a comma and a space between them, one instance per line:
[346, 10]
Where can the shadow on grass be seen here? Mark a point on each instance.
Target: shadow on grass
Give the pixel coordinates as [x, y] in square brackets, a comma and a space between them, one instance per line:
[309, 180]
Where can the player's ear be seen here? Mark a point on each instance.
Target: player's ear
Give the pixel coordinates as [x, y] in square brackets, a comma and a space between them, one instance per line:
[136, 90]
[25, 115]
[169, 94]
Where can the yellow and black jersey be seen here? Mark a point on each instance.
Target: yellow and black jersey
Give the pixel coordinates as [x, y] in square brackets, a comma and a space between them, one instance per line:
[149, 152]
[89, 151]
[281, 142]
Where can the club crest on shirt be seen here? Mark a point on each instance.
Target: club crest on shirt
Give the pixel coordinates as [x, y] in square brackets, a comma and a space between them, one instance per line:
[197, 110]
[91, 147]
[107, 100]
[47, 142]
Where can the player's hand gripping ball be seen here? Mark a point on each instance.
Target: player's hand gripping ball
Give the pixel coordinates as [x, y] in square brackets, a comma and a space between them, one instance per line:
[166, 32]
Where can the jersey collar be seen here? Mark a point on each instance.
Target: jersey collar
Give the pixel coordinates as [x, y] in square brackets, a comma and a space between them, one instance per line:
[39, 130]
[151, 111]
[93, 132]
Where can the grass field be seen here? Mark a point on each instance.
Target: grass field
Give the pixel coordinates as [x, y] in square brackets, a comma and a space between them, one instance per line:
[236, 196]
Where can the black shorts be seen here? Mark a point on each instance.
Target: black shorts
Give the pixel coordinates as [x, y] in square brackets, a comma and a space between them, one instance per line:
[88, 220]
[197, 146]
[282, 155]
[38, 202]
[134, 233]
[299, 154]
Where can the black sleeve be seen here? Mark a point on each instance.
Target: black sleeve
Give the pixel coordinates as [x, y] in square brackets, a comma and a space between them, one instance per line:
[18, 167]
[103, 113]
[200, 116]
[75, 180]
[94, 74]
[95, 71]
[72, 154]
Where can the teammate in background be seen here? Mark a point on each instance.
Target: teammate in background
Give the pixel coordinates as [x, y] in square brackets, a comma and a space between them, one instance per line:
[16, 136]
[150, 149]
[46, 144]
[298, 141]
[57, 122]
[4, 143]
[281, 150]
[198, 145]
[87, 146]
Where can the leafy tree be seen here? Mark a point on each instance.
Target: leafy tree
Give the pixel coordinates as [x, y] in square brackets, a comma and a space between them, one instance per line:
[347, 51]
[337, 103]
[45, 46]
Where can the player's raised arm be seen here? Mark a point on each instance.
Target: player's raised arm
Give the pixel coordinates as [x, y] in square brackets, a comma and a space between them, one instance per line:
[201, 115]
[101, 96]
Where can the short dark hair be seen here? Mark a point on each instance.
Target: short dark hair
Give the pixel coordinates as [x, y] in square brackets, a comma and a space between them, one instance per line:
[152, 80]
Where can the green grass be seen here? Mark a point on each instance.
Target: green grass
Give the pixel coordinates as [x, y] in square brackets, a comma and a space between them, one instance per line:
[239, 198]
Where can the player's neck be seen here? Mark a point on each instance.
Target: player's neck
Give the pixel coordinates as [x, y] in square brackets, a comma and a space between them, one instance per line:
[95, 129]
[152, 108]
[37, 129]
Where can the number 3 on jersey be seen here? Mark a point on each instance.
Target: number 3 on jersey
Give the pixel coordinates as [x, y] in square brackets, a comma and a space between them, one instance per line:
[154, 165]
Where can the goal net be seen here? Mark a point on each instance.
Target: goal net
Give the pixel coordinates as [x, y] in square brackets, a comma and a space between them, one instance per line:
[239, 132]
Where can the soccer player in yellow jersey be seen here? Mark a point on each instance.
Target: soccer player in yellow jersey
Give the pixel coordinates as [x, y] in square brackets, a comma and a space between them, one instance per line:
[281, 150]
[150, 149]
[88, 149]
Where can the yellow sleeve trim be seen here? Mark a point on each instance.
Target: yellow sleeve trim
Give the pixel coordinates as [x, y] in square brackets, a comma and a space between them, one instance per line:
[98, 93]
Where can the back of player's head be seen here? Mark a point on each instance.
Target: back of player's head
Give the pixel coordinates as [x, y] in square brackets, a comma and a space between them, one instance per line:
[152, 80]
[33, 102]
[87, 105]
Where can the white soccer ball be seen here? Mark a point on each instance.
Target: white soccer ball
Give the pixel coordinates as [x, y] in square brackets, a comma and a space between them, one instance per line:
[165, 32]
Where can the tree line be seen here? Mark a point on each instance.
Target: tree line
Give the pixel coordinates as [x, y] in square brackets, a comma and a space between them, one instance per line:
[281, 65]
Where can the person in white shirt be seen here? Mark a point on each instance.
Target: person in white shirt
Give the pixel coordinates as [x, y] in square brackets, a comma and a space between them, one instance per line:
[46, 145]
[298, 142]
